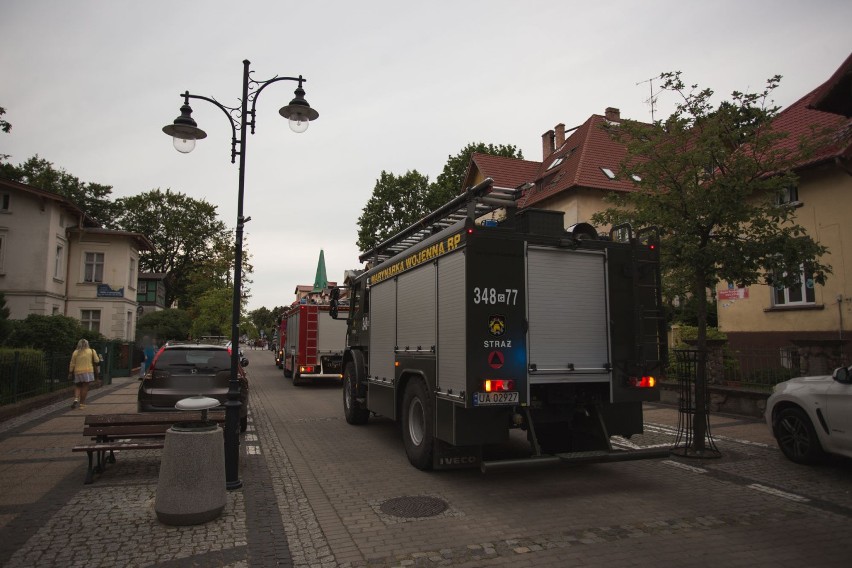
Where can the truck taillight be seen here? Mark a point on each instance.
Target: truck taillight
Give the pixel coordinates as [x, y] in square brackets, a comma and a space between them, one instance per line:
[643, 382]
[498, 385]
[306, 369]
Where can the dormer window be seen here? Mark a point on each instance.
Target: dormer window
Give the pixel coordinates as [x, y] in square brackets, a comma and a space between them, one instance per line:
[556, 162]
[608, 173]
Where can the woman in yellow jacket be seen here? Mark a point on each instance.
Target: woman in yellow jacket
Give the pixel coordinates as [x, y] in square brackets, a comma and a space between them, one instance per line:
[84, 364]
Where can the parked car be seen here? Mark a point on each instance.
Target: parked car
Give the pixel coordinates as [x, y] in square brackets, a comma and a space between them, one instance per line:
[812, 416]
[180, 371]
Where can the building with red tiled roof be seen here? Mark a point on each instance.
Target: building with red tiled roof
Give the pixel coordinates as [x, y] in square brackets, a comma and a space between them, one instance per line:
[808, 321]
[579, 167]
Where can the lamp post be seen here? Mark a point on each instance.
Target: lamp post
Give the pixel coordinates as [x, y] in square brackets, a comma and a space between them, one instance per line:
[185, 132]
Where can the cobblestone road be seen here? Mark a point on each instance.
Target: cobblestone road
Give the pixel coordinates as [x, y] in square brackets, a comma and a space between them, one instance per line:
[318, 492]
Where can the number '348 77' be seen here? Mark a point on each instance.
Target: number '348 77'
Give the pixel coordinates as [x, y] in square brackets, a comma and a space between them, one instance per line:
[493, 296]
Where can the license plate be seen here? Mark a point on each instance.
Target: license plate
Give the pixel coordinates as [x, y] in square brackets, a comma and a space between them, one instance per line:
[484, 398]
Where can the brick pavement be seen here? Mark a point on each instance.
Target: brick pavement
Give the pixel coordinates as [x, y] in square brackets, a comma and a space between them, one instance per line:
[314, 486]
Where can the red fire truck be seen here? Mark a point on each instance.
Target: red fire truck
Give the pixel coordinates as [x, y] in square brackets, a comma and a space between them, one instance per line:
[312, 343]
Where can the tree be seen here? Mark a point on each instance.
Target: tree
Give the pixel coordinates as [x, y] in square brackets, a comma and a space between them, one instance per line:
[449, 183]
[397, 202]
[212, 313]
[216, 269]
[53, 334]
[185, 232]
[165, 325]
[5, 322]
[4, 125]
[262, 319]
[7, 128]
[93, 198]
[708, 177]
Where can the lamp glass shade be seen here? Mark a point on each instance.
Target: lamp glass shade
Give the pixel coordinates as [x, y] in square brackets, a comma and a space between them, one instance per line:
[298, 122]
[183, 145]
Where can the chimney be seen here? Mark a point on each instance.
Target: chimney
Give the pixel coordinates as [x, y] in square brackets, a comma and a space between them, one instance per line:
[547, 144]
[612, 114]
[560, 135]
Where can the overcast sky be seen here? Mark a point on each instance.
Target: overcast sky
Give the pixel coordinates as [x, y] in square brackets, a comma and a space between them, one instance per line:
[399, 85]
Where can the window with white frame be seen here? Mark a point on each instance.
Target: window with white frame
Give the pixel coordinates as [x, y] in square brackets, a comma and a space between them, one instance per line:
[91, 319]
[131, 277]
[800, 293]
[94, 267]
[5, 201]
[58, 262]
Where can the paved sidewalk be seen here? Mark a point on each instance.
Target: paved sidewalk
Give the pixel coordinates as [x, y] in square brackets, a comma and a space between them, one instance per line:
[49, 518]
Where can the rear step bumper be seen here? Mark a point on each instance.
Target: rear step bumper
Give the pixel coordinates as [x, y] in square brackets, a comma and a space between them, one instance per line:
[575, 457]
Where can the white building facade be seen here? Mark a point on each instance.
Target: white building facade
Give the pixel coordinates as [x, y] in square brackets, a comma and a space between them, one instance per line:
[55, 260]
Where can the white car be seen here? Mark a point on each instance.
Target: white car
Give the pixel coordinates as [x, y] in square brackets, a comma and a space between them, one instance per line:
[812, 416]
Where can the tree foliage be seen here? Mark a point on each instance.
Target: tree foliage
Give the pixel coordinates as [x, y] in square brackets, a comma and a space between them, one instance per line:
[165, 325]
[7, 128]
[4, 124]
[186, 234]
[54, 334]
[397, 202]
[401, 200]
[710, 177]
[262, 319]
[5, 322]
[212, 313]
[93, 198]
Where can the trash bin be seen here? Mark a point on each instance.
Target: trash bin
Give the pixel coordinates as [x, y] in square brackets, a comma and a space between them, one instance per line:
[191, 486]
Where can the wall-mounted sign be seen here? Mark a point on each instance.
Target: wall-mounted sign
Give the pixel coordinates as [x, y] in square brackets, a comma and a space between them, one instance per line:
[104, 291]
[733, 294]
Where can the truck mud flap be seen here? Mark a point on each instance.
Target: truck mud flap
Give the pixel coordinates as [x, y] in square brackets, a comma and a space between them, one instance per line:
[446, 456]
[575, 457]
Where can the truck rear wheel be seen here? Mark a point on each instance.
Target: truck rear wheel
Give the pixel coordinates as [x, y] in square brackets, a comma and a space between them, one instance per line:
[353, 410]
[418, 424]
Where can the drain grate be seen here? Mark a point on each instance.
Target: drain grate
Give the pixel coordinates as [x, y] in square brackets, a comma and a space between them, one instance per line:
[414, 507]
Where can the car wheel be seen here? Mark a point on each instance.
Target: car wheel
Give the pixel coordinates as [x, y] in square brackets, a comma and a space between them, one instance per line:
[353, 410]
[417, 424]
[796, 436]
[243, 423]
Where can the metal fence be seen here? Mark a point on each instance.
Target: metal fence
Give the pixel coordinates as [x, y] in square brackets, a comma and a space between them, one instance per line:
[25, 373]
[757, 369]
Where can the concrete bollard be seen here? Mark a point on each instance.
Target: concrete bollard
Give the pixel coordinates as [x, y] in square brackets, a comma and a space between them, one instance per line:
[191, 486]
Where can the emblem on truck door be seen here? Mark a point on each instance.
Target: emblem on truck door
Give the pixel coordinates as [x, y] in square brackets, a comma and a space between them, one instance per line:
[497, 325]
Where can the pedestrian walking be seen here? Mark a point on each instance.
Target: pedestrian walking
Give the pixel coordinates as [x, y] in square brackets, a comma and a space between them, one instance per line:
[82, 370]
[148, 352]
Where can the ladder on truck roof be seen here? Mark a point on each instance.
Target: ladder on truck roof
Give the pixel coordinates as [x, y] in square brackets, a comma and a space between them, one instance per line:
[481, 199]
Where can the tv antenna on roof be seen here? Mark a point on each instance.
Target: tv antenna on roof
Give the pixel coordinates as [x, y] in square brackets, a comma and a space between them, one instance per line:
[652, 100]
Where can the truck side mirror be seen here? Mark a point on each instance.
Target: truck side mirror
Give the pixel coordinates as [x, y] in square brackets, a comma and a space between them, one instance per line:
[335, 301]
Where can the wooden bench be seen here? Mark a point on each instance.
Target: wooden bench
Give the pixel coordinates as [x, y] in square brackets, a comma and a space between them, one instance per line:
[116, 432]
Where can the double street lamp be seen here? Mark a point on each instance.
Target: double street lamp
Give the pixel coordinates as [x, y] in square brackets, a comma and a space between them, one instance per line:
[185, 132]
